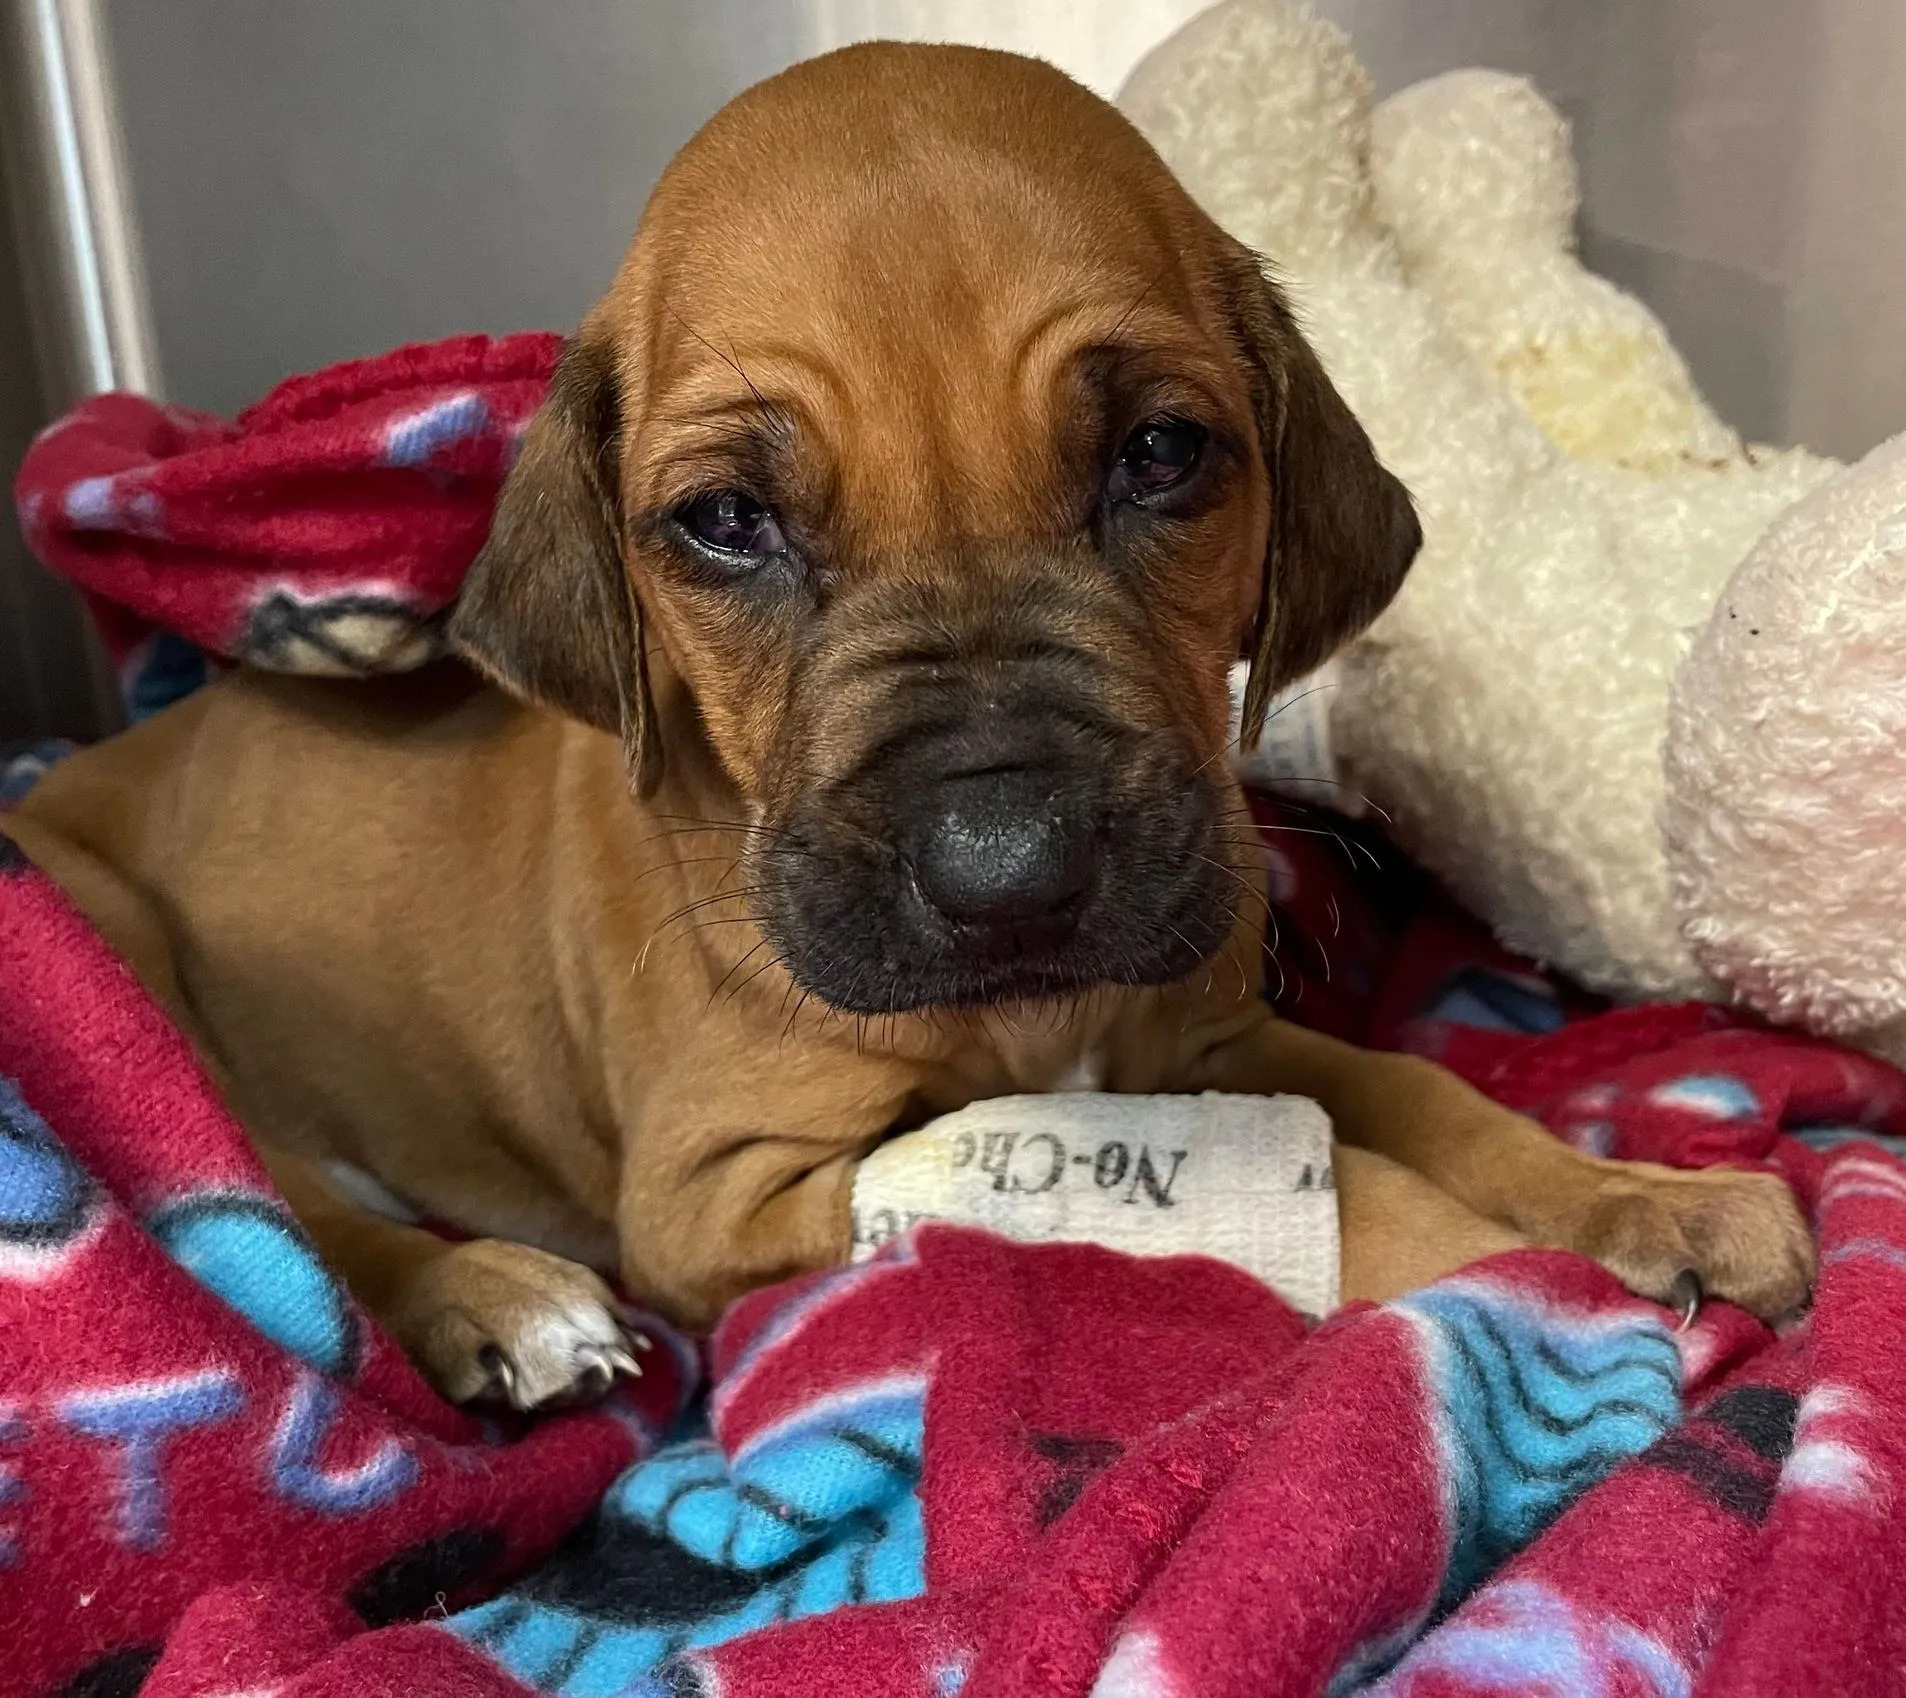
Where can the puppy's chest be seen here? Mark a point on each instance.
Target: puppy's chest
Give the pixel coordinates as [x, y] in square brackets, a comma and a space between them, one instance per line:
[1088, 1071]
[1028, 1065]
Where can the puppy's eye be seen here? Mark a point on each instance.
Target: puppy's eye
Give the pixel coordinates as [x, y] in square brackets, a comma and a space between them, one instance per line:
[733, 523]
[1160, 453]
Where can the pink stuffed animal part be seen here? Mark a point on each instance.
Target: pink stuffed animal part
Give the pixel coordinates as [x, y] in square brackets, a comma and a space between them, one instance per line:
[1785, 822]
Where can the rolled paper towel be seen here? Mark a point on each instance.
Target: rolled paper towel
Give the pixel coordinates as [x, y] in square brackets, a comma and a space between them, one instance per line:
[1246, 1179]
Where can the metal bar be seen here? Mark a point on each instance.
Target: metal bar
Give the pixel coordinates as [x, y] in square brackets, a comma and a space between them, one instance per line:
[73, 212]
[75, 320]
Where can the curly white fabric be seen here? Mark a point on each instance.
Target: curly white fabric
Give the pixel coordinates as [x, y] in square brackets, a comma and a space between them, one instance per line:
[1474, 175]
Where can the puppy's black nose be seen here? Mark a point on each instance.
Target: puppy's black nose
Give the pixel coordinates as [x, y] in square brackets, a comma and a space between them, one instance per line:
[1005, 857]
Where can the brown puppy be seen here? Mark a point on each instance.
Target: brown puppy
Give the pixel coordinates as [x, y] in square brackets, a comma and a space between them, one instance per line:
[862, 603]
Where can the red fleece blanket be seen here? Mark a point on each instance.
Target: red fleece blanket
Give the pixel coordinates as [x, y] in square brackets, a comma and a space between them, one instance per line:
[967, 1466]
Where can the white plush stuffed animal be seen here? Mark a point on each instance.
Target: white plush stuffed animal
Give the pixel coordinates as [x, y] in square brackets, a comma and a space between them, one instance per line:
[1785, 782]
[1475, 179]
[1582, 508]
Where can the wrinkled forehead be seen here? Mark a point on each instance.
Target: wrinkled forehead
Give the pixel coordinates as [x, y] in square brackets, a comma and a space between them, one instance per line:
[904, 219]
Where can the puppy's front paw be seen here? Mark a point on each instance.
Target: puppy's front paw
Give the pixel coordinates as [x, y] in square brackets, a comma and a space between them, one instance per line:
[1740, 1235]
[504, 1322]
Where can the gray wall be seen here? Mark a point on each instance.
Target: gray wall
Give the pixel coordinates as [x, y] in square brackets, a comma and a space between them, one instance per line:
[320, 179]
[52, 684]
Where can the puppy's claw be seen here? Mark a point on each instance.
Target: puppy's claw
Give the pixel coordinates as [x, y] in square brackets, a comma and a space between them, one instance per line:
[595, 1369]
[500, 1376]
[1684, 1297]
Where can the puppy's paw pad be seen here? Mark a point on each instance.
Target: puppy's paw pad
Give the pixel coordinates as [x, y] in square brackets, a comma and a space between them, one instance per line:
[505, 1323]
[1665, 1231]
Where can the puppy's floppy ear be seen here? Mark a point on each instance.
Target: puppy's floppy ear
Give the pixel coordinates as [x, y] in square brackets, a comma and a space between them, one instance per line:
[1343, 531]
[547, 609]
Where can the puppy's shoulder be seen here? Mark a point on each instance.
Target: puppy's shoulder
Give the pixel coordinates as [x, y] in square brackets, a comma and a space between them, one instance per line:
[443, 701]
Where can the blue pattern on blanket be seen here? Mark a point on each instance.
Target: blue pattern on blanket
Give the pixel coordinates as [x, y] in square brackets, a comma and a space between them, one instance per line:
[1533, 1407]
[1532, 1404]
[694, 1547]
[162, 670]
[1824, 1138]
[1491, 1000]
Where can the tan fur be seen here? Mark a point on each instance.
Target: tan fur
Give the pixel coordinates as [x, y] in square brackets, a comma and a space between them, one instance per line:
[501, 949]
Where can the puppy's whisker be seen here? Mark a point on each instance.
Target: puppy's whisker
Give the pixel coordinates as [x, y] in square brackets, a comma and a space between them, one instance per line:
[1274, 942]
[1235, 876]
[853, 994]
[1130, 312]
[728, 360]
[787, 1031]
[754, 949]
[1237, 742]
[1350, 846]
[685, 861]
[641, 960]
[774, 960]
[706, 822]
[701, 902]
[723, 920]
[1217, 754]
[776, 836]
[1334, 784]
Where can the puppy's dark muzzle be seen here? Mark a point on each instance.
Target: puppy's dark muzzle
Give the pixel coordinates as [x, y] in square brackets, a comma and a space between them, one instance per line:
[1005, 857]
[1006, 836]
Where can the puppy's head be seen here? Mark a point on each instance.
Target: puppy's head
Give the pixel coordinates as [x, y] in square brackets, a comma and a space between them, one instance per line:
[936, 456]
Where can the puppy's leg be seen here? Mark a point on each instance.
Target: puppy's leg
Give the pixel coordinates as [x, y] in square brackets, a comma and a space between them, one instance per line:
[1739, 1234]
[751, 1212]
[485, 1319]
[1399, 1232]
